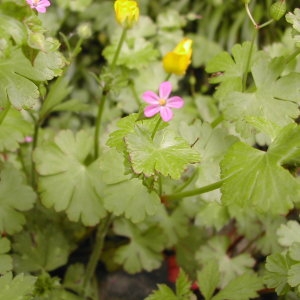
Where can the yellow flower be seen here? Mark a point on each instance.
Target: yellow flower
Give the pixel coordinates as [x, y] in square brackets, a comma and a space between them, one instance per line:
[178, 60]
[127, 12]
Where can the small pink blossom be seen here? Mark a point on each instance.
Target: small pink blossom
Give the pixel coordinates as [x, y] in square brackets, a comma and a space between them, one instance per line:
[28, 139]
[162, 103]
[39, 5]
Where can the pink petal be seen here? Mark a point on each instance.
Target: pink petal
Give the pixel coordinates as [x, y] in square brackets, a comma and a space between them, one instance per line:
[166, 113]
[151, 110]
[150, 97]
[41, 9]
[175, 102]
[45, 3]
[165, 89]
[30, 2]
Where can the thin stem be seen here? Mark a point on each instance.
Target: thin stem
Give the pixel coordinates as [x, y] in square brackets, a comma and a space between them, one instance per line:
[265, 24]
[250, 15]
[195, 192]
[98, 123]
[104, 95]
[188, 182]
[217, 121]
[77, 49]
[121, 41]
[155, 128]
[135, 95]
[168, 77]
[245, 75]
[34, 145]
[97, 250]
[292, 56]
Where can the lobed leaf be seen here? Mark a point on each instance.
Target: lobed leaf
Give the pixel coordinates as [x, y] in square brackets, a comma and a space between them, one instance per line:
[167, 153]
[266, 185]
[65, 182]
[19, 287]
[15, 197]
[277, 267]
[6, 262]
[144, 249]
[243, 287]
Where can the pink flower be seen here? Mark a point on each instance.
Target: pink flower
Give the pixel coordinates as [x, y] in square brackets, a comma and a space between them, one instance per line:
[162, 103]
[39, 5]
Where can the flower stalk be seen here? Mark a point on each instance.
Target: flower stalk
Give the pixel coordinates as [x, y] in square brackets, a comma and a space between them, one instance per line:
[102, 230]
[195, 192]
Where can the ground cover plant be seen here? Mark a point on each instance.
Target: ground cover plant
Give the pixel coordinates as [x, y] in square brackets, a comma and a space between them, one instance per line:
[138, 132]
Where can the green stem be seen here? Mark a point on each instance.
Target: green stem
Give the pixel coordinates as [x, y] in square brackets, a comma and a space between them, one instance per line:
[134, 93]
[4, 113]
[217, 121]
[250, 15]
[188, 182]
[265, 24]
[97, 250]
[155, 128]
[77, 49]
[34, 145]
[168, 77]
[98, 123]
[195, 192]
[292, 56]
[104, 96]
[245, 75]
[121, 41]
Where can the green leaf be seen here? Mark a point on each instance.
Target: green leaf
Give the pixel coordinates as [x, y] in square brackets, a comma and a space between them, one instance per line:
[286, 146]
[136, 52]
[206, 50]
[243, 287]
[229, 267]
[131, 199]
[144, 251]
[124, 195]
[262, 183]
[13, 130]
[269, 128]
[212, 214]
[277, 267]
[208, 279]
[174, 224]
[229, 71]
[294, 251]
[167, 153]
[12, 27]
[183, 290]
[294, 275]
[6, 263]
[288, 233]
[57, 93]
[42, 247]
[275, 98]
[163, 293]
[183, 286]
[19, 287]
[16, 73]
[126, 126]
[65, 182]
[15, 197]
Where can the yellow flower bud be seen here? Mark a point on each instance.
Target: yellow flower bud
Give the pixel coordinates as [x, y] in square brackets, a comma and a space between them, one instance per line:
[178, 60]
[127, 12]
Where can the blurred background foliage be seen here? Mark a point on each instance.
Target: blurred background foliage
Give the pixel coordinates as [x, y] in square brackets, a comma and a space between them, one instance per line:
[213, 25]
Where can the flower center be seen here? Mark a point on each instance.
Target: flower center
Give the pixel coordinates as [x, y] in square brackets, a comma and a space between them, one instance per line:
[35, 2]
[162, 102]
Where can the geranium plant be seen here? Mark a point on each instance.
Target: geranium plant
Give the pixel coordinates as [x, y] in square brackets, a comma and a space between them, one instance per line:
[141, 134]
